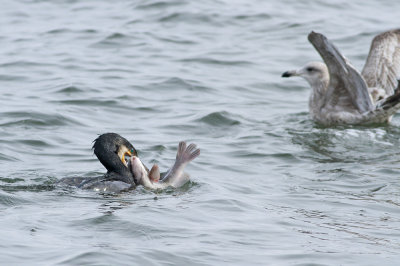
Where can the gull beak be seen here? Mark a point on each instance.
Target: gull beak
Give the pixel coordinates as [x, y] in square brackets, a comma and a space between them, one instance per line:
[289, 74]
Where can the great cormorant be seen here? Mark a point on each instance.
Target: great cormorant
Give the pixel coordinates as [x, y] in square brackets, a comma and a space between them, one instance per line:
[111, 150]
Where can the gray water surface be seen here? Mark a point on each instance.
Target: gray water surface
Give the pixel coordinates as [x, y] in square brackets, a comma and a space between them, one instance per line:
[270, 187]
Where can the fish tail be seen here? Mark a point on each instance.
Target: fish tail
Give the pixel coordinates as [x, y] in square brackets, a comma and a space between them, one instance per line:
[185, 153]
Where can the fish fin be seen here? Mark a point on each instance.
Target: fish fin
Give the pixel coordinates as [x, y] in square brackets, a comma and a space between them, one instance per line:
[154, 174]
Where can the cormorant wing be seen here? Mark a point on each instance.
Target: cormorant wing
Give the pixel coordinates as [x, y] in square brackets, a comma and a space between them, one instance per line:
[347, 88]
[382, 68]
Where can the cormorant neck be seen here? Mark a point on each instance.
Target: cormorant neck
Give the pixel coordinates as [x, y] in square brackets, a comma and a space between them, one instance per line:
[115, 168]
[106, 148]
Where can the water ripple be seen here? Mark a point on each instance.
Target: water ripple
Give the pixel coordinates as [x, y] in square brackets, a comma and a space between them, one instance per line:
[7, 199]
[219, 119]
[212, 61]
[159, 4]
[35, 119]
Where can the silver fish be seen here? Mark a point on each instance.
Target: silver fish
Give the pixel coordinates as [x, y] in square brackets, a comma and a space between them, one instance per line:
[175, 177]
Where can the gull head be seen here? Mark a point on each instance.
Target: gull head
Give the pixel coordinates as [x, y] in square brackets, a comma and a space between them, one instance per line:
[316, 74]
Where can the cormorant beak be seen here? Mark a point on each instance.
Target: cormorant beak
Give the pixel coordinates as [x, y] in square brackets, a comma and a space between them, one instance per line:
[127, 154]
[124, 152]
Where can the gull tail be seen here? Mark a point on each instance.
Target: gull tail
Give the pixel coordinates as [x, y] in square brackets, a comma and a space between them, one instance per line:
[392, 101]
[385, 108]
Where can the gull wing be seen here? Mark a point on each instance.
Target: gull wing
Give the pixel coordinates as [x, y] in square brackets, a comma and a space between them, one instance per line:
[347, 87]
[382, 69]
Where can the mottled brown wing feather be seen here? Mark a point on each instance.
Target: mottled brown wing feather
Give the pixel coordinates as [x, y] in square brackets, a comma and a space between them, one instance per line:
[347, 87]
[382, 68]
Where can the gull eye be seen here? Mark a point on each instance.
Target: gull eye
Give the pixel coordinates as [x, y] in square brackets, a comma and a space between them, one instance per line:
[310, 69]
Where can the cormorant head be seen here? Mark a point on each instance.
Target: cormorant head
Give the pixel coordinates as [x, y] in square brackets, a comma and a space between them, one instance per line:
[111, 149]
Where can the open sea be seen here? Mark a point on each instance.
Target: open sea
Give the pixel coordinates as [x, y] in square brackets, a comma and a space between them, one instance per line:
[270, 187]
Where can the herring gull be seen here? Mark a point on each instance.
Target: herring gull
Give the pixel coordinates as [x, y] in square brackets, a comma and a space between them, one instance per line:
[341, 95]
